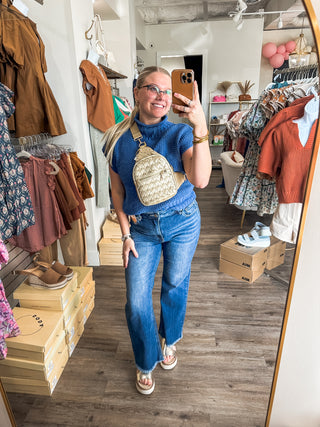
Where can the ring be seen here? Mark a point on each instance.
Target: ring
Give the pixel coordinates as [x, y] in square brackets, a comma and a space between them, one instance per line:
[189, 103]
[184, 109]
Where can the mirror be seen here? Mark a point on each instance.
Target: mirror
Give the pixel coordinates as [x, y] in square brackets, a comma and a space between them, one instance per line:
[237, 357]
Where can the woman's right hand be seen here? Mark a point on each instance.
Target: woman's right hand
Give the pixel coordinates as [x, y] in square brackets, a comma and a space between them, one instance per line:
[127, 247]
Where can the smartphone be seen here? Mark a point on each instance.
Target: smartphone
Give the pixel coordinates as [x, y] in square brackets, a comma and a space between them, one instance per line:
[182, 82]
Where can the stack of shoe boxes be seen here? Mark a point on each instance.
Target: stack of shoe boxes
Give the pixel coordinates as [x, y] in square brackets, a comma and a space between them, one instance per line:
[242, 262]
[276, 253]
[110, 245]
[72, 305]
[249, 263]
[36, 357]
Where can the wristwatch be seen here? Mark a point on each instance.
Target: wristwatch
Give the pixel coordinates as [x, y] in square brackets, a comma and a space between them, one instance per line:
[126, 237]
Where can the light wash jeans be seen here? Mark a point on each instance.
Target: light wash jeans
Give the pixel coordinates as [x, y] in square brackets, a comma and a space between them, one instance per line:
[175, 234]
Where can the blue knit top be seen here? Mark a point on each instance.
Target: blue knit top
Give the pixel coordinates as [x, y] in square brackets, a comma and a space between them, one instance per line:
[169, 139]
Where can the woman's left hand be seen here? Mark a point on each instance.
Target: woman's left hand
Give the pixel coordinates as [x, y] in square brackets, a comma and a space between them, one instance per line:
[193, 111]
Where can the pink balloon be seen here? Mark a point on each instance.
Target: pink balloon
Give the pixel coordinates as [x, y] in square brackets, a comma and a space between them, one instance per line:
[281, 49]
[286, 56]
[290, 46]
[276, 60]
[269, 49]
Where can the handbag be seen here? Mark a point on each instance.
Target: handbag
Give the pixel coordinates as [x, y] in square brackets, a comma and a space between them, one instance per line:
[153, 176]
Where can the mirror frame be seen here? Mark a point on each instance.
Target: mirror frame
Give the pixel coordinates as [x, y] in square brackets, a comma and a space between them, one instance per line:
[314, 24]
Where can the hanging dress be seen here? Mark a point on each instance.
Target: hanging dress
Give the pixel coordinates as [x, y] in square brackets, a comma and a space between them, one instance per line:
[16, 211]
[49, 225]
[8, 325]
[22, 69]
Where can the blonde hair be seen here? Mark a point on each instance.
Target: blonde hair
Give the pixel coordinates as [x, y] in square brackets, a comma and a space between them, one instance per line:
[112, 135]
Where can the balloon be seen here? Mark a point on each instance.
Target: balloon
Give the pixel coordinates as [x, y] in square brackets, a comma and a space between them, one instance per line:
[290, 46]
[269, 49]
[281, 49]
[276, 60]
[286, 56]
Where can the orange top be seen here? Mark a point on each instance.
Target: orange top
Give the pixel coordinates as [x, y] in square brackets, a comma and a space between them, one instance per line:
[22, 69]
[99, 97]
[285, 158]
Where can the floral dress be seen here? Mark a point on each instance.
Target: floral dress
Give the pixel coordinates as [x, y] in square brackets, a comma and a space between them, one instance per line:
[8, 325]
[16, 211]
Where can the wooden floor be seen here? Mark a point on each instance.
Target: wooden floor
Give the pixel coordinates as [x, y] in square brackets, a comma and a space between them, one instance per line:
[226, 357]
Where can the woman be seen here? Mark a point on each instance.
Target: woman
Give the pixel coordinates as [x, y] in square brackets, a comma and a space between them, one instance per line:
[171, 227]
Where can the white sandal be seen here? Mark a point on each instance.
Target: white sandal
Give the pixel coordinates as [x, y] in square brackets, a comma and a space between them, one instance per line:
[144, 388]
[258, 236]
[168, 350]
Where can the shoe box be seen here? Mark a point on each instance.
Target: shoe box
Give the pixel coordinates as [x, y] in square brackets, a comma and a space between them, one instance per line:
[276, 253]
[242, 262]
[46, 299]
[37, 386]
[36, 357]
[110, 245]
[71, 305]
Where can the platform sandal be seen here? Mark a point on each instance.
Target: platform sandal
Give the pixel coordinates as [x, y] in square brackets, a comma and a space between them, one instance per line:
[144, 388]
[38, 278]
[56, 266]
[169, 351]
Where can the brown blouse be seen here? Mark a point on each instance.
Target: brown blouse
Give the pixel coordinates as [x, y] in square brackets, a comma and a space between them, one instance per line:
[99, 98]
[22, 68]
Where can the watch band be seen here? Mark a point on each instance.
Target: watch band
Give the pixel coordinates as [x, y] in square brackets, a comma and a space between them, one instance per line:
[126, 237]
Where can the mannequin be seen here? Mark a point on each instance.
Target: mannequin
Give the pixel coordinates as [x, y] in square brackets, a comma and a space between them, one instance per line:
[18, 4]
[311, 113]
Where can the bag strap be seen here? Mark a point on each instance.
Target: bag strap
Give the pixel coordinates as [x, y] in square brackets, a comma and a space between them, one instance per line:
[136, 134]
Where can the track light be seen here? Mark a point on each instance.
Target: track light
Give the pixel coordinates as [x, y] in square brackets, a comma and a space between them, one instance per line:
[237, 17]
[242, 5]
[280, 22]
[239, 25]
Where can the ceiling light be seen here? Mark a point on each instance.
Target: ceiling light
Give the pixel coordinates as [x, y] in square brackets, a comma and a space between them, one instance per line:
[237, 17]
[280, 22]
[242, 5]
[239, 25]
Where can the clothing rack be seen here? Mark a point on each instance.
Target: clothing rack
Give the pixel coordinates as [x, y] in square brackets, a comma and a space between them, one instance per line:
[296, 73]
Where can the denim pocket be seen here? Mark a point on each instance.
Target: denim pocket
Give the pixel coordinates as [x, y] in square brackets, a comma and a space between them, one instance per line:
[136, 220]
[190, 209]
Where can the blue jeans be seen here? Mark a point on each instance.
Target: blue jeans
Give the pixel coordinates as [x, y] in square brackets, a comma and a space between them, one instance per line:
[175, 234]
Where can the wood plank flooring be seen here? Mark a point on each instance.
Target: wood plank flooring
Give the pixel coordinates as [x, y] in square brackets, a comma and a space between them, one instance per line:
[226, 357]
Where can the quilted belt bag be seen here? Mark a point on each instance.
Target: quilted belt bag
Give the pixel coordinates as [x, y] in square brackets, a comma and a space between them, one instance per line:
[153, 176]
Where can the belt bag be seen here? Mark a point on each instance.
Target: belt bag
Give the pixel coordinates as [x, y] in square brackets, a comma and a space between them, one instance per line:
[153, 176]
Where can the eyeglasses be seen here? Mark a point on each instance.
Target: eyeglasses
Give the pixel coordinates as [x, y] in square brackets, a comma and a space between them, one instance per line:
[156, 91]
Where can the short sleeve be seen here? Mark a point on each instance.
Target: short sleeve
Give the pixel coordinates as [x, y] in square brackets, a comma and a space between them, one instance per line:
[270, 156]
[186, 139]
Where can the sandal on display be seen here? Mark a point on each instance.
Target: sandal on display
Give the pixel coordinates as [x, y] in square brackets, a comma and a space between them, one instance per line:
[56, 266]
[144, 388]
[48, 279]
[170, 354]
[258, 236]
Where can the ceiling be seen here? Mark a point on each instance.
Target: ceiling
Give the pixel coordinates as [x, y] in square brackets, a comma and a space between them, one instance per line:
[155, 12]
[170, 11]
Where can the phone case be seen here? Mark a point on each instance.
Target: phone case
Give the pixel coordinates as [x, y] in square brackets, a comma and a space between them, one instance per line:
[182, 82]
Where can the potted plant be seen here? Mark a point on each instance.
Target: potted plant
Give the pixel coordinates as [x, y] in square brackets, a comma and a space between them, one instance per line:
[245, 88]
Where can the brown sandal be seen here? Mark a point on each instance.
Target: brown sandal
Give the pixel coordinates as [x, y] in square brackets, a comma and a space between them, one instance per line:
[48, 279]
[56, 266]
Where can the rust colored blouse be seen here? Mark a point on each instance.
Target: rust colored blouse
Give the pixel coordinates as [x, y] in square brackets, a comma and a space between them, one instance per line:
[22, 68]
[99, 98]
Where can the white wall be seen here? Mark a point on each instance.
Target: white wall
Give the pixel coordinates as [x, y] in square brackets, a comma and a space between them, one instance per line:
[297, 394]
[62, 26]
[229, 54]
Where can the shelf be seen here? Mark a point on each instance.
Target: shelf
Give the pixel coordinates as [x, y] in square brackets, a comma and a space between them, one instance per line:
[111, 74]
[250, 101]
